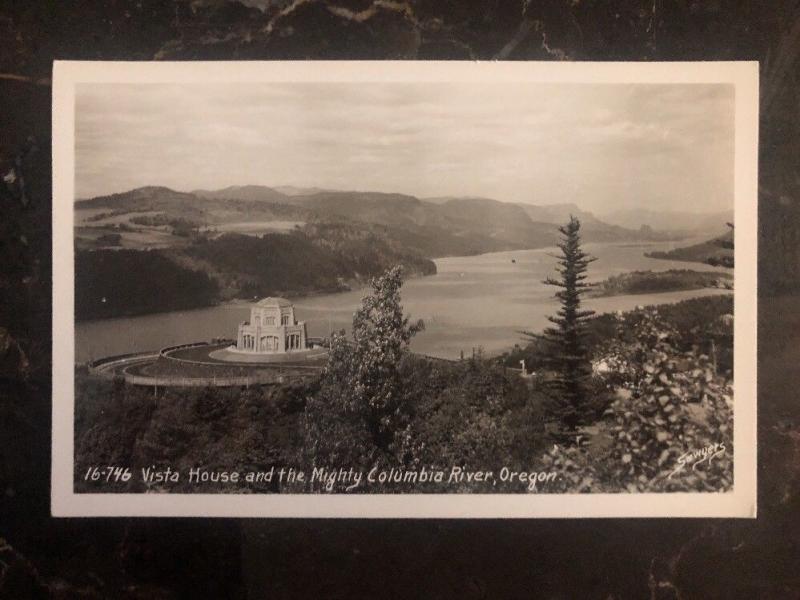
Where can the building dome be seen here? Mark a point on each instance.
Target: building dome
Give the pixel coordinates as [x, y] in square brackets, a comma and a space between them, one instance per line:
[271, 302]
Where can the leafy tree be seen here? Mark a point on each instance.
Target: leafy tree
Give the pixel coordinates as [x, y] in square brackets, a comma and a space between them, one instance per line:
[568, 356]
[362, 407]
[673, 404]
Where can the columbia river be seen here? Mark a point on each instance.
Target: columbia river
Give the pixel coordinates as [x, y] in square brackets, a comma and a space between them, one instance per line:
[482, 301]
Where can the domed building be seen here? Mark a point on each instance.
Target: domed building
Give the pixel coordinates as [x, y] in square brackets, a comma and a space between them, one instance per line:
[272, 329]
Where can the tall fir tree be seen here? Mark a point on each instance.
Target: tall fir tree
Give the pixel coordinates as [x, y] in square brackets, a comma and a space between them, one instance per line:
[567, 352]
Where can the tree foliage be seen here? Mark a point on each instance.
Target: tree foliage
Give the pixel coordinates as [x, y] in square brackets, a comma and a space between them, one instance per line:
[112, 283]
[669, 427]
[475, 416]
[568, 356]
[362, 409]
[216, 429]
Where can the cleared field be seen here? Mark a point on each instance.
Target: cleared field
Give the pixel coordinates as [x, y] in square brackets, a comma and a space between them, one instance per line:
[84, 215]
[141, 239]
[88, 217]
[256, 227]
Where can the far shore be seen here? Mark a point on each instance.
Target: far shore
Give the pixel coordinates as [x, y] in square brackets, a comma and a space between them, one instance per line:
[350, 286]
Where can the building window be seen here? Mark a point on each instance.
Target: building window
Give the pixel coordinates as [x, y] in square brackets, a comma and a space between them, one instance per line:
[269, 320]
[285, 320]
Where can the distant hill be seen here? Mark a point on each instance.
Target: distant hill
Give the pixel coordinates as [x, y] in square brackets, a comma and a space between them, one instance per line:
[592, 228]
[459, 216]
[560, 213]
[290, 190]
[149, 198]
[246, 203]
[258, 193]
[370, 207]
[497, 220]
[549, 213]
[419, 226]
[672, 221]
[433, 227]
[220, 244]
[474, 225]
[443, 199]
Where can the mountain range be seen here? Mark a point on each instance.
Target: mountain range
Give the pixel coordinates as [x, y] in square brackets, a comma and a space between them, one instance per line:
[711, 223]
[431, 227]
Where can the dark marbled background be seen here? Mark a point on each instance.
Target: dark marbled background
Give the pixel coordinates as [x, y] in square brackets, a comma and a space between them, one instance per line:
[151, 558]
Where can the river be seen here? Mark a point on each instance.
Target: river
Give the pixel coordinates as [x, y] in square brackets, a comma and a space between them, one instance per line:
[472, 302]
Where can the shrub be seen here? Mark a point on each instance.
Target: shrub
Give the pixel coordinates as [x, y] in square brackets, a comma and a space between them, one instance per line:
[670, 425]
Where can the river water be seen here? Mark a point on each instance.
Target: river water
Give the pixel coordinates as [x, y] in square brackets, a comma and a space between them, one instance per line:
[472, 302]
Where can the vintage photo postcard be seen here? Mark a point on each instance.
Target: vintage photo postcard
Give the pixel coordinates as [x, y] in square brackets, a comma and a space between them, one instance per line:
[396, 289]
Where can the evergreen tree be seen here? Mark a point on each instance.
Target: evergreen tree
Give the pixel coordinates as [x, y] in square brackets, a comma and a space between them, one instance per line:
[565, 342]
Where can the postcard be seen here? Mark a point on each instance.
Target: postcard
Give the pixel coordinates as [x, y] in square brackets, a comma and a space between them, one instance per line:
[404, 289]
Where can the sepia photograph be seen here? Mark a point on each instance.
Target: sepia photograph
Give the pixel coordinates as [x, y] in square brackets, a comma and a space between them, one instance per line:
[353, 290]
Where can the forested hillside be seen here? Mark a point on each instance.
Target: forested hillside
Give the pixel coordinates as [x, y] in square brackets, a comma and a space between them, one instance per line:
[298, 264]
[113, 283]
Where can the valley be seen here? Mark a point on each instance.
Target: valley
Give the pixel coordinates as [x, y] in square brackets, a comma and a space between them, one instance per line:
[182, 250]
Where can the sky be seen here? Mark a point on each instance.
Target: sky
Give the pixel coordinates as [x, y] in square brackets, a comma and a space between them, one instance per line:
[604, 147]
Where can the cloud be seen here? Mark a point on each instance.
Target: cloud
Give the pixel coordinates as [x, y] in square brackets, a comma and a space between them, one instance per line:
[602, 146]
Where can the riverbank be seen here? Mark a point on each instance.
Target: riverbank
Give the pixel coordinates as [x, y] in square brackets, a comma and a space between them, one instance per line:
[716, 252]
[480, 302]
[648, 282]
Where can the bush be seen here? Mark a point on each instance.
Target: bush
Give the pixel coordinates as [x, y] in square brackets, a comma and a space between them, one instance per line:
[669, 427]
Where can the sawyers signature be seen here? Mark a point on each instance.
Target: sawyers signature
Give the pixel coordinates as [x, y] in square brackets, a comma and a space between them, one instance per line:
[698, 457]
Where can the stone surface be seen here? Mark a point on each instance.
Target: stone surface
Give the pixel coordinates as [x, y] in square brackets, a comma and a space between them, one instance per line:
[40, 556]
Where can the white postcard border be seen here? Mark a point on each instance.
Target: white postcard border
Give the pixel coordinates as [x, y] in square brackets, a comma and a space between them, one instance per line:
[741, 502]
